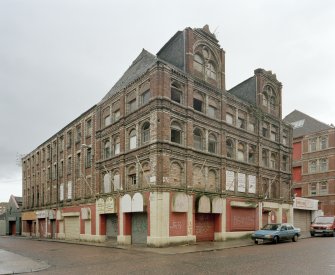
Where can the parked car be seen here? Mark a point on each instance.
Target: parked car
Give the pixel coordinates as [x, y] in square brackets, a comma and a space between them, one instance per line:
[323, 225]
[276, 232]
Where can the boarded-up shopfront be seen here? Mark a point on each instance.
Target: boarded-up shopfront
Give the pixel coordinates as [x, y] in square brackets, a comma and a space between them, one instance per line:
[303, 210]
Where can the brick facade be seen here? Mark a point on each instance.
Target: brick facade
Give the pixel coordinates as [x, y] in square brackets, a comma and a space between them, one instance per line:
[169, 127]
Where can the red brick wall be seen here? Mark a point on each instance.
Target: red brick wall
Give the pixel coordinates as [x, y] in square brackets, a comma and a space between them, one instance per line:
[297, 151]
[297, 174]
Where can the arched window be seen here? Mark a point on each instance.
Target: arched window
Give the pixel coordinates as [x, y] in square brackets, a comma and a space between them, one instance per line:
[107, 149]
[145, 132]
[230, 148]
[176, 92]
[176, 133]
[197, 139]
[212, 144]
[132, 139]
[198, 63]
[240, 151]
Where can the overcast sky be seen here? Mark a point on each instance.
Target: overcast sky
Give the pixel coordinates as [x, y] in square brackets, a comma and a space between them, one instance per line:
[59, 58]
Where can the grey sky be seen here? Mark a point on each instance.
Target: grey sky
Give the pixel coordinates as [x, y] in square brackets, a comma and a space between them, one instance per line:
[58, 58]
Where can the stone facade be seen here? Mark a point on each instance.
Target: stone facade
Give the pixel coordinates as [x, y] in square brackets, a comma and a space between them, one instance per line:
[175, 157]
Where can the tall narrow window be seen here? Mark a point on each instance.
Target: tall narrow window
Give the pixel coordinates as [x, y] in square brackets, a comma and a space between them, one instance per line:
[197, 139]
[116, 145]
[88, 127]
[68, 140]
[210, 70]
[176, 133]
[240, 122]
[116, 115]
[240, 151]
[198, 63]
[313, 188]
[323, 188]
[132, 139]
[132, 106]
[265, 130]
[265, 158]
[146, 132]
[107, 183]
[312, 166]
[212, 144]
[132, 180]
[274, 133]
[197, 104]
[265, 99]
[230, 148]
[69, 165]
[284, 163]
[107, 149]
[229, 118]
[273, 160]
[78, 134]
[211, 111]
[323, 165]
[312, 144]
[145, 97]
[176, 93]
[285, 135]
[88, 157]
[251, 153]
[78, 165]
[323, 143]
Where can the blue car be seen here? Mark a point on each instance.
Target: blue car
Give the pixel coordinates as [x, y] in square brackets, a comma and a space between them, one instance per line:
[276, 232]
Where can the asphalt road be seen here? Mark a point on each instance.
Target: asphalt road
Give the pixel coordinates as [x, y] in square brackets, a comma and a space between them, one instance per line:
[307, 256]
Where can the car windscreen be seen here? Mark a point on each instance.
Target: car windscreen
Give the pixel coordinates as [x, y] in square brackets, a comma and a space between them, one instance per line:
[271, 227]
[324, 220]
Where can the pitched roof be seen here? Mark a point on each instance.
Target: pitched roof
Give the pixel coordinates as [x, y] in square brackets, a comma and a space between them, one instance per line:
[246, 90]
[304, 124]
[140, 65]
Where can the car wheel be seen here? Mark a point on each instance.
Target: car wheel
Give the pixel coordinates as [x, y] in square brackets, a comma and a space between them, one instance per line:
[312, 234]
[295, 238]
[275, 239]
[256, 242]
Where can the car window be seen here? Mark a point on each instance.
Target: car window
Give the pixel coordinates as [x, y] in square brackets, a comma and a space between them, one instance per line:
[290, 227]
[284, 227]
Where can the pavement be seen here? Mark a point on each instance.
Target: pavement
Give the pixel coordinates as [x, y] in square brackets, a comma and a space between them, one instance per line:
[11, 263]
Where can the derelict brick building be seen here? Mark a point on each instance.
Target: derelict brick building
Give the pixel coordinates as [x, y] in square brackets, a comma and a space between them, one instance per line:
[167, 156]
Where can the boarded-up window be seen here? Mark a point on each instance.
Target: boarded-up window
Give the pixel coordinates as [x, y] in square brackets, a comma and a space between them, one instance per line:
[211, 186]
[116, 182]
[175, 174]
[107, 183]
[132, 139]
